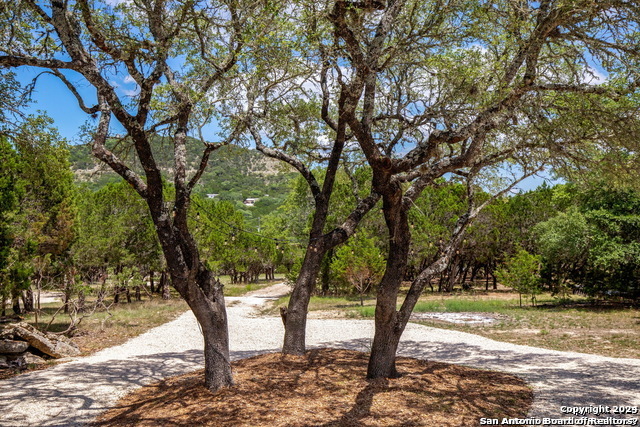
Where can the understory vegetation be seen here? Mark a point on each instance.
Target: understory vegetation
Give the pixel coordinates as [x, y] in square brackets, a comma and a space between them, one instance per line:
[569, 251]
[578, 323]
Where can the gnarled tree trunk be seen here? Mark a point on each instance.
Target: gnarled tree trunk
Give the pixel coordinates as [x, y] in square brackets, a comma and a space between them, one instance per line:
[206, 300]
[296, 319]
[388, 329]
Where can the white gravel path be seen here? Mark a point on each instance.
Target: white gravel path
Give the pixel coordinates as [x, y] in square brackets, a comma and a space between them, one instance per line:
[76, 392]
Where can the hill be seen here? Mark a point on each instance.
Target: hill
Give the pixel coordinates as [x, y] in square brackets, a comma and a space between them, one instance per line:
[233, 173]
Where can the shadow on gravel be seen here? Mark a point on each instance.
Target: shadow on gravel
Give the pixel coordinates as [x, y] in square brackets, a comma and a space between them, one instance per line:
[74, 393]
[559, 380]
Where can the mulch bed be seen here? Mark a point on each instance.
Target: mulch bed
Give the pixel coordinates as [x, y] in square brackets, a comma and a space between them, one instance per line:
[327, 387]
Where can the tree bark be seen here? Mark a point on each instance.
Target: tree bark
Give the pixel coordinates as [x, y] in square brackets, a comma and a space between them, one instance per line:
[81, 301]
[296, 321]
[152, 285]
[27, 301]
[453, 274]
[382, 362]
[16, 304]
[164, 286]
[207, 303]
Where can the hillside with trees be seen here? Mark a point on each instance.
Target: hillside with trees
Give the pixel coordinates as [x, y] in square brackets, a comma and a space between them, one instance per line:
[233, 174]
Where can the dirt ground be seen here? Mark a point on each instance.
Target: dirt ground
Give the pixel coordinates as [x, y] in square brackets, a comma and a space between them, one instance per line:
[327, 388]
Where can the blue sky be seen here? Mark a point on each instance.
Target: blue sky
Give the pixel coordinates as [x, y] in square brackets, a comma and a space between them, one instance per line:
[53, 97]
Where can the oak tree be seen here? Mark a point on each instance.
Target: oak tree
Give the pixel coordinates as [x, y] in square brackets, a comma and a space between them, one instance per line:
[176, 55]
[481, 90]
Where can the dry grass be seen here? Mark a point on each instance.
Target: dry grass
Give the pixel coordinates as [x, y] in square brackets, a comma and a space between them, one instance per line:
[105, 329]
[327, 388]
[607, 328]
[125, 321]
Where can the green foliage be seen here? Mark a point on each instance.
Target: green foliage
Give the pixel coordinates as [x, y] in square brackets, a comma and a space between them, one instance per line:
[358, 265]
[563, 242]
[10, 193]
[115, 231]
[233, 173]
[520, 272]
[226, 244]
[37, 210]
[594, 245]
[10, 100]
[433, 217]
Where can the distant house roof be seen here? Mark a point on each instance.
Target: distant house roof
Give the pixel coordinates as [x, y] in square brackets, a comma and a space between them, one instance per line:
[250, 201]
[212, 195]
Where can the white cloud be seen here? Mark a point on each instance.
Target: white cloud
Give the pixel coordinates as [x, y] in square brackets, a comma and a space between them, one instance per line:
[594, 77]
[128, 80]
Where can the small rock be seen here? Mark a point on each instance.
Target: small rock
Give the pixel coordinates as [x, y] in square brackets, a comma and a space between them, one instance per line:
[13, 347]
[4, 364]
[7, 333]
[32, 359]
[50, 344]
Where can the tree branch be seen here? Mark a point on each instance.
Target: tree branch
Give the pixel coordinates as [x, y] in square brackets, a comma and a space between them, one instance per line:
[7, 61]
[75, 93]
[101, 152]
[291, 160]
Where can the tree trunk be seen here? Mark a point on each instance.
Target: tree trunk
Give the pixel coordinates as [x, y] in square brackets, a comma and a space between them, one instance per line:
[382, 362]
[81, 301]
[27, 301]
[152, 284]
[295, 328]
[486, 278]
[453, 273]
[16, 303]
[206, 300]
[164, 285]
[68, 289]
[474, 273]
[463, 281]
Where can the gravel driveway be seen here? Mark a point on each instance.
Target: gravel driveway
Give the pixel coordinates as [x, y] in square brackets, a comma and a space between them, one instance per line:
[75, 392]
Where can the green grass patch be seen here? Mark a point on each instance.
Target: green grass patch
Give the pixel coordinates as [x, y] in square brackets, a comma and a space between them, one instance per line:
[239, 289]
[449, 306]
[317, 303]
[464, 305]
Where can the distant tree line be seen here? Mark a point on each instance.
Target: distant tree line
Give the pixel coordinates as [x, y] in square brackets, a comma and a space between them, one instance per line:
[59, 234]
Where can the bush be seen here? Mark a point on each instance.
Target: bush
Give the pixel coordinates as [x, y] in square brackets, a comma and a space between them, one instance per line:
[520, 272]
